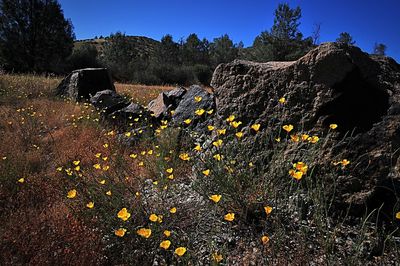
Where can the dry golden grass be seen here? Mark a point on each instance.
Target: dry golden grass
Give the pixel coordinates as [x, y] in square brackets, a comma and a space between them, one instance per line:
[141, 93]
[40, 133]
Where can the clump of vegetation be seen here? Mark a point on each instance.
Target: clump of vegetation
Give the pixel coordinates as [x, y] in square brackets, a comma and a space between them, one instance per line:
[70, 190]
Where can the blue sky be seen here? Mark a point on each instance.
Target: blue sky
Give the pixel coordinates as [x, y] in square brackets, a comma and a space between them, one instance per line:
[368, 21]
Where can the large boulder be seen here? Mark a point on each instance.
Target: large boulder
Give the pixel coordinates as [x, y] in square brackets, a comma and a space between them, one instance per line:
[188, 106]
[81, 84]
[165, 102]
[333, 83]
[108, 101]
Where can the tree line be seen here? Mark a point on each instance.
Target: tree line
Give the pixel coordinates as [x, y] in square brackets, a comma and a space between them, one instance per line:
[36, 37]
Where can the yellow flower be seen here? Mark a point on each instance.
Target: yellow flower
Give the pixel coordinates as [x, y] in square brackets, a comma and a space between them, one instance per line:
[313, 139]
[120, 232]
[77, 162]
[210, 128]
[264, 239]
[180, 251]
[144, 232]
[239, 134]
[397, 215]
[197, 99]
[278, 139]
[200, 112]
[71, 194]
[102, 182]
[128, 134]
[217, 257]
[288, 128]
[333, 126]
[215, 198]
[267, 209]
[165, 244]
[167, 233]
[217, 143]
[282, 100]
[217, 157]
[197, 148]
[256, 127]
[230, 118]
[300, 166]
[184, 157]
[295, 138]
[236, 124]
[210, 111]
[153, 217]
[304, 137]
[143, 152]
[187, 121]
[98, 155]
[169, 170]
[21, 180]
[133, 155]
[296, 174]
[206, 172]
[105, 145]
[109, 193]
[229, 217]
[97, 166]
[171, 176]
[345, 162]
[221, 131]
[141, 164]
[106, 168]
[172, 210]
[90, 205]
[59, 169]
[123, 214]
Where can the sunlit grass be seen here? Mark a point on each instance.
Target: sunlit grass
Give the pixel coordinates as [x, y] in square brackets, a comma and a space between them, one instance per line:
[69, 184]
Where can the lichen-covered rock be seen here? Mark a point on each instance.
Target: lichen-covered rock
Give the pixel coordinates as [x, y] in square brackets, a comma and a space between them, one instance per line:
[333, 83]
[166, 101]
[108, 101]
[188, 106]
[81, 84]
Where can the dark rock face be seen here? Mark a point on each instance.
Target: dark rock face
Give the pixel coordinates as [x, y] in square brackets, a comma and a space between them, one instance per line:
[131, 116]
[331, 84]
[108, 101]
[188, 106]
[81, 84]
[166, 101]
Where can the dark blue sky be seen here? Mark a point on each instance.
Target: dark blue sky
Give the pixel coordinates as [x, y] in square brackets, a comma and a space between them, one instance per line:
[368, 21]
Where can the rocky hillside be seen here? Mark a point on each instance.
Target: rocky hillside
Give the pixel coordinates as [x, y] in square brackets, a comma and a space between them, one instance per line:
[142, 44]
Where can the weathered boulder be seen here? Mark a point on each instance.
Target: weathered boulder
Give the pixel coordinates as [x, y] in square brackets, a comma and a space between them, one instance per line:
[166, 101]
[108, 101]
[188, 105]
[333, 83]
[131, 117]
[81, 84]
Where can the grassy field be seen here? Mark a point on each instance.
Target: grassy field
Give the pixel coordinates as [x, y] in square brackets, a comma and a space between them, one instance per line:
[72, 193]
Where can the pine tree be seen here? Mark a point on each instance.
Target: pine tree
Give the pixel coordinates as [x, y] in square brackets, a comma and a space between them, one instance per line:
[379, 49]
[34, 35]
[345, 38]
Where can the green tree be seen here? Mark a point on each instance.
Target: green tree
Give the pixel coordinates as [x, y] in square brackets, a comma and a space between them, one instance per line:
[34, 35]
[345, 38]
[195, 51]
[284, 41]
[168, 51]
[379, 49]
[223, 50]
[83, 56]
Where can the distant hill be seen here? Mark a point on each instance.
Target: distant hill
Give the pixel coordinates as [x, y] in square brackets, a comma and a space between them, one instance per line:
[142, 44]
